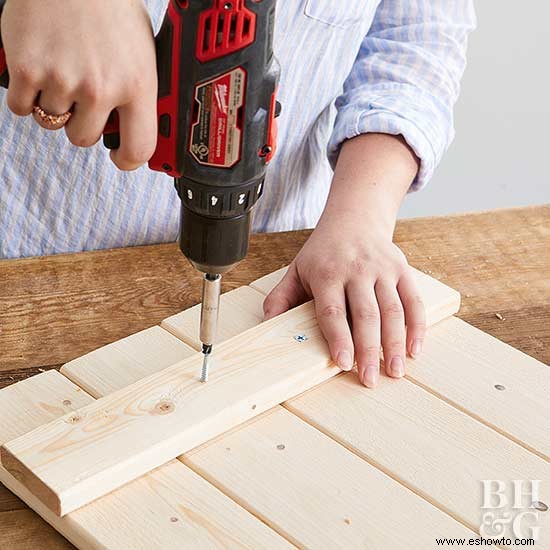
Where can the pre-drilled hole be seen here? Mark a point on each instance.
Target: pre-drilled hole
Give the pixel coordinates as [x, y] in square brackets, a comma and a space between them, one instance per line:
[540, 506]
[500, 387]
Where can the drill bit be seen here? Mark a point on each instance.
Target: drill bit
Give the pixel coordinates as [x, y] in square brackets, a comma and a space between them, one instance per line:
[211, 288]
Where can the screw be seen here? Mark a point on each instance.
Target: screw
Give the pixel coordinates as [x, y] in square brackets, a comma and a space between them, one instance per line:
[300, 338]
[204, 372]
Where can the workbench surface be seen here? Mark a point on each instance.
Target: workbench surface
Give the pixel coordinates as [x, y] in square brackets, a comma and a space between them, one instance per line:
[54, 309]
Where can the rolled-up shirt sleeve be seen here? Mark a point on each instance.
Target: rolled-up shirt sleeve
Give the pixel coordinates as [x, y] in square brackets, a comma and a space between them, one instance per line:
[406, 78]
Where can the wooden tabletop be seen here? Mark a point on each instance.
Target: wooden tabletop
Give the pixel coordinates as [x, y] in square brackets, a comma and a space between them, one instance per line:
[57, 308]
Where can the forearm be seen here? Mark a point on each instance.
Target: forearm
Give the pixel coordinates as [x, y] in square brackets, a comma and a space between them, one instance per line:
[372, 176]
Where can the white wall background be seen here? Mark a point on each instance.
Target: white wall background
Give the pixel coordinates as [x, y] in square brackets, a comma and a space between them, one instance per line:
[501, 155]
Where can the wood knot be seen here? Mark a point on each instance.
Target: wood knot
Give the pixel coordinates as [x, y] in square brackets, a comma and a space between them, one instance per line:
[164, 407]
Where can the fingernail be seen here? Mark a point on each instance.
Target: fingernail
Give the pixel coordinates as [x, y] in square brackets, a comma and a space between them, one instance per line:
[345, 361]
[397, 367]
[370, 376]
[416, 347]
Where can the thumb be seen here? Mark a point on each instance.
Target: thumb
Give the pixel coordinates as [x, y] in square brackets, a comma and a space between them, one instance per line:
[286, 295]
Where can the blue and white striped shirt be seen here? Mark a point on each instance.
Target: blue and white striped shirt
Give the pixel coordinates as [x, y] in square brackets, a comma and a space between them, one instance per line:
[348, 67]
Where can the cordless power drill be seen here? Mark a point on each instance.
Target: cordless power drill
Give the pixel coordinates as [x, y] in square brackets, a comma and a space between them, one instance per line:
[217, 81]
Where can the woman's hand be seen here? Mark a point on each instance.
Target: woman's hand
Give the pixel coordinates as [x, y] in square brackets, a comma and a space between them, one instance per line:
[341, 264]
[91, 57]
[364, 291]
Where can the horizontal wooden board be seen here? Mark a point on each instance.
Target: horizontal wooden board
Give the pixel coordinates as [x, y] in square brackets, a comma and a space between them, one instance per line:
[430, 290]
[297, 517]
[172, 507]
[128, 360]
[128, 433]
[425, 443]
[315, 491]
[268, 282]
[185, 325]
[489, 380]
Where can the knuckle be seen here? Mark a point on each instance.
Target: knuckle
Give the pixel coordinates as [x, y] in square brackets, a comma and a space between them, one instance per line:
[332, 312]
[361, 266]
[417, 326]
[24, 74]
[368, 350]
[58, 80]
[367, 314]
[340, 342]
[394, 344]
[92, 90]
[393, 311]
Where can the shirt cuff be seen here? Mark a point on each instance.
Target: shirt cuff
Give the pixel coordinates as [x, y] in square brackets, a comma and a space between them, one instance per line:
[351, 123]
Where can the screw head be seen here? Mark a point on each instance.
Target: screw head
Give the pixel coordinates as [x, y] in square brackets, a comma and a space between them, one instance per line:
[300, 338]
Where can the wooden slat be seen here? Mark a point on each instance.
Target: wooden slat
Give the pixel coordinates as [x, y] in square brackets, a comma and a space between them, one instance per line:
[128, 360]
[464, 366]
[171, 507]
[318, 520]
[315, 491]
[268, 282]
[253, 372]
[431, 290]
[424, 442]
[185, 325]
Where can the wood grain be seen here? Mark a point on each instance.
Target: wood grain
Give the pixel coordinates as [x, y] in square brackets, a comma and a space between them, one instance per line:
[499, 262]
[24, 530]
[496, 260]
[185, 325]
[128, 360]
[315, 491]
[9, 502]
[95, 298]
[422, 441]
[79, 458]
[171, 507]
[491, 381]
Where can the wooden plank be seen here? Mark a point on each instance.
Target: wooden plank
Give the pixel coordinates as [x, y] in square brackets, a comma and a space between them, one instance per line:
[154, 420]
[129, 358]
[431, 290]
[95, 298]
[268, 282]
[425, 443]
[489, 380]
[284, 508]
[316, 492]
[171, 507]
[246, 300]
